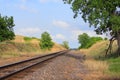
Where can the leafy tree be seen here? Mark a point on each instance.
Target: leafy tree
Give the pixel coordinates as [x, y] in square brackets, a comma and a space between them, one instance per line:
[46, 41]
[65, 44]
[86, 41]
[104, 15]
[6, 28]
[83, 40]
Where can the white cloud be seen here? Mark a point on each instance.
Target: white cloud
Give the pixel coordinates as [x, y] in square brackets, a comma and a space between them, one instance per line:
[28, 31]
[59, 37]
[44, 1]
[22, 7]
[31, 30]
[24, 1]
[28, 9]
[59, 23]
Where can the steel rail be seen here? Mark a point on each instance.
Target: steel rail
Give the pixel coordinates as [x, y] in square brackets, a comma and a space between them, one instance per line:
[23, 61]
[30, 66]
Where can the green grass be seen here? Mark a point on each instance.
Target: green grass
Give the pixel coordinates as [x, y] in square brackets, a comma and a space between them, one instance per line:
[35, 38]
[28, 38]
[114, 65]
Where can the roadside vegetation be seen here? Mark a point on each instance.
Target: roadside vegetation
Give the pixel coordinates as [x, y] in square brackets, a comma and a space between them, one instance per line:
[24, 46]
[106, 66]
[18, 47]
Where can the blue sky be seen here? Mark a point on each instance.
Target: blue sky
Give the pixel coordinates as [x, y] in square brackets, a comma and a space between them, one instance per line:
[33, 17]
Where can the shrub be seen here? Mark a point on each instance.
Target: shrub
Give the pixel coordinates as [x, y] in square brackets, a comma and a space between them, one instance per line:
[46, 41]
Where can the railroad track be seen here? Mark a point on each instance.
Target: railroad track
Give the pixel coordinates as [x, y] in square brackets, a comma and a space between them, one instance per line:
[9, 70]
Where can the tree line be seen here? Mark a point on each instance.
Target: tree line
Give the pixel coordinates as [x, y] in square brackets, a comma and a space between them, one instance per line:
[7, 33]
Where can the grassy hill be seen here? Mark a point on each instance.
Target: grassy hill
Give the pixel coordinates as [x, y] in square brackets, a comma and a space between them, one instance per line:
[24, 46]
[99, 49]
[96, 61]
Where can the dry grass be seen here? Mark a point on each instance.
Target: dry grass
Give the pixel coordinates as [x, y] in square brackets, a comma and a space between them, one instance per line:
[20, 47]
[99, 67]
[57, 47]
[99, 49]
[19, 39]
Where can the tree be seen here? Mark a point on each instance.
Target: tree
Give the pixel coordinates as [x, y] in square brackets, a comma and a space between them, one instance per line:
[86, 41]
[46, 41]
[6, 28]
[65, 44]
[104, 15]
[83, 40]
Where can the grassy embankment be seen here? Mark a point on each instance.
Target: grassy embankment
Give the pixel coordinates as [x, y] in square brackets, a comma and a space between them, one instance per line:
[106, 67]
[24, 46]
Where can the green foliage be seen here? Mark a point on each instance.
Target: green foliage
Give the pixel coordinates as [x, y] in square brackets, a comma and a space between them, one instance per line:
[65, 44]
[87, 41]
[6, 28]
[34, 38]
[102, 14]
[92, 41]
[83, 40]
[46, 41]
[27, 38]
[30, 38]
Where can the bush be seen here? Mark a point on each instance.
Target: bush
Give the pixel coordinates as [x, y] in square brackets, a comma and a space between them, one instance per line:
[46, 41]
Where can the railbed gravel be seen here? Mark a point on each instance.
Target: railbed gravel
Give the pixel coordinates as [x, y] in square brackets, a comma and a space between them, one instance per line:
[66, 67]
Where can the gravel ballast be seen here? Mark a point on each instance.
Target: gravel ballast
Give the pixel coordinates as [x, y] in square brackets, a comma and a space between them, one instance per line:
[66, 67]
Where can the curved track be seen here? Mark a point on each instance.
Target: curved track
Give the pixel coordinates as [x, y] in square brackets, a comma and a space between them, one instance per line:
[9, 70]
